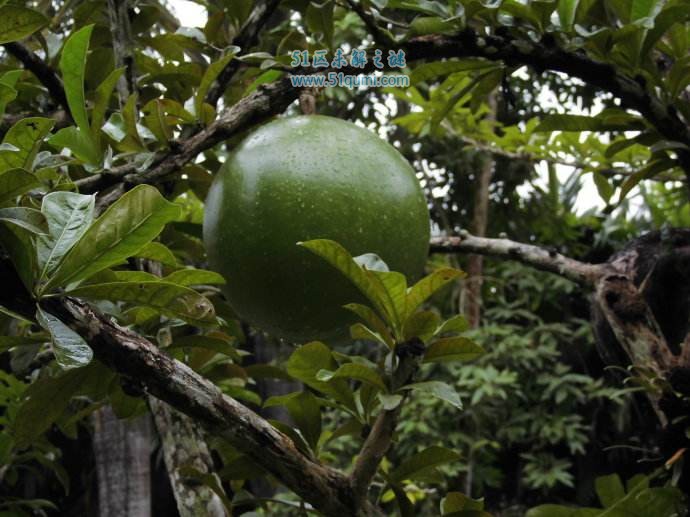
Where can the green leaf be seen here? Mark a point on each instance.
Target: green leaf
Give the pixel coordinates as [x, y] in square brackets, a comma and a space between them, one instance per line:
[369, 284]
[72, 66]
[438, 389]
[358, 372]
[644, 8]
[305, 411]
[319, 18]
[7, 95]
[28, 218]
[372, 320]
[192, 276]
[421, 462]
[18, 244]
[452, 349]
[457, 323]
[47, 399]
[421, 324]
[18, 22]
[171, 300]
[308, 360]
[437, 69]
[79, 142]
[567, 10]
[71, 351]
[16, 182]
[554, 510]
[26, 135]
[221, 346]
[649, 171]
[359, 331]
[102, 100]
[609, 489]
[158, 252]
[457, 502]
[68, 215]
[561, 122]
[123, 230]
[389, 402]
[210, 75]
[427, 286]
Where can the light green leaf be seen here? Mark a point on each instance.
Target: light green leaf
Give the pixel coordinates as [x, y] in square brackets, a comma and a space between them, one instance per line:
[567, 9]
[189, 277]
[360, 331]
[648, 171]
[438, 389]
[210, 75]
[422, 462]
[456, 324]
[102, 100]
[17, 22]
[171, 300]
[356, 371]
[452, 349]
[72, 66]
[7, 95]
[644, 8]
[389, 402]
[123, 230]
[80, 143]
[561, 122]
[369, 284]
[16, 182]
[427, 286]
[70, 349]
[68, 215]
[26, 135]
[28, 218]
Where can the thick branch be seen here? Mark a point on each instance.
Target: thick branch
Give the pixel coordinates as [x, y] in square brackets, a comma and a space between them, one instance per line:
[44, 73]
[252, 110]
[175, 383]
[539, 258]
[247, 38]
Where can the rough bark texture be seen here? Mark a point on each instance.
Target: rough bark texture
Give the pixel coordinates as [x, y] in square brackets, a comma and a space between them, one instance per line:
[184, 445]
[122, 449]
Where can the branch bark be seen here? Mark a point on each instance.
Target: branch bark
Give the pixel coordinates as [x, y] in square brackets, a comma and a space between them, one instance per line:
[539, 258]
[142, 363]
[43, 72]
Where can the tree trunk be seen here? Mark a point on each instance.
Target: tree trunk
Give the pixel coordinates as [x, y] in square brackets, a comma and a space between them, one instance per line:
[122, 450]
[480, 219]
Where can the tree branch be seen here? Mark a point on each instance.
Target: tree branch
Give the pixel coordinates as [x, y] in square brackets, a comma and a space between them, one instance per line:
[632, 92]
[247, 38]
[175, 383]
[121, 31]
[547, 260]
[44, 73]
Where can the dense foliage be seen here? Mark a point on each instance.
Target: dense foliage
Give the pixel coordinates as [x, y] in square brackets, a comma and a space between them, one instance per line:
[115, 116]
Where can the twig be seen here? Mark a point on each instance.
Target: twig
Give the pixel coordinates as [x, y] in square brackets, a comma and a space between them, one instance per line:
[247, 38]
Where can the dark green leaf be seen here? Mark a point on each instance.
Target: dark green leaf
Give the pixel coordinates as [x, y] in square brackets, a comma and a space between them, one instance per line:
[452, 349]
[421, 462]
[71, 351]
[26, 135]
[28, 218]
[17, 22]
[16, 182]
[72, 66]
[358, 372]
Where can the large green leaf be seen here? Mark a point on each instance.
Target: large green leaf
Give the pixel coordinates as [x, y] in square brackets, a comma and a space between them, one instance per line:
[421, 324]
[69, 215]
[71, 351]
[372, 320]
[452, 349]
[609, 489]
[567, 9]
[427, 286]
[28, 218]
[26, 136]
[366, 281]
[16, 182]
[72, 66]
[18, 244]
[100, 105]
[422, 462]
[437, 69]
[355, 371]
[47, 399]
[78, 142]
[17, 22]
[174, 301]
[305, 411]
[194, 277]
[125, 227]
[438, 389]
[308, 360]
[210, 75]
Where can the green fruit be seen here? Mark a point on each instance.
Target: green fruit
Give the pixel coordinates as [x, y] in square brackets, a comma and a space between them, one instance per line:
[303, 178]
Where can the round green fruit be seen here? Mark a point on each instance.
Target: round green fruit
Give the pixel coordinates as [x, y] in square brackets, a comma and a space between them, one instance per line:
[301, 178]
